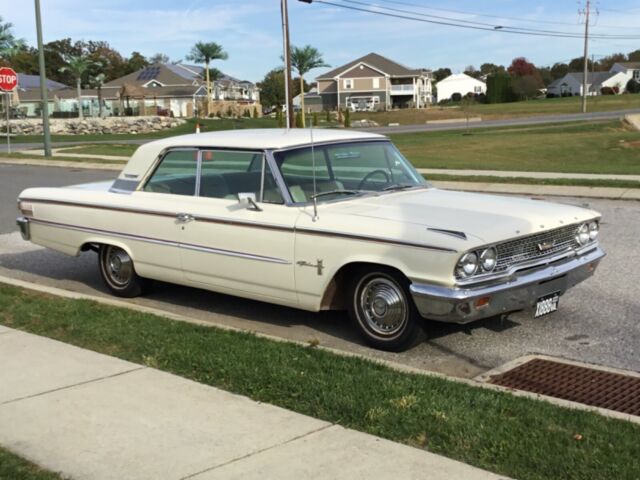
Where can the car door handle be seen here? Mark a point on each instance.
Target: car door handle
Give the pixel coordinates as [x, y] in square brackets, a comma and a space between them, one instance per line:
[184, 218]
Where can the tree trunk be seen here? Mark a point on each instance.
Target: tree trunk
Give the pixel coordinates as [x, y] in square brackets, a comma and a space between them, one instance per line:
[206, 66]
[80, 114]
[302, 100]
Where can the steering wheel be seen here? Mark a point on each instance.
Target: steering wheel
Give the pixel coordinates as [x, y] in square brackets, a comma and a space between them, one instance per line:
[371, 174]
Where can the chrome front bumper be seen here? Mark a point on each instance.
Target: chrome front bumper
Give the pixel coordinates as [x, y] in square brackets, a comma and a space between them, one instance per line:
[518, 292]
[23, 225]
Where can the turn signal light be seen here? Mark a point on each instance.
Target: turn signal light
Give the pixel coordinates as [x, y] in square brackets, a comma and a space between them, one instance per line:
[481, 302]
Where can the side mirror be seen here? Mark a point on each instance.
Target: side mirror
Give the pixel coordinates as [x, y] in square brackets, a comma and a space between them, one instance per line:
[248, 200]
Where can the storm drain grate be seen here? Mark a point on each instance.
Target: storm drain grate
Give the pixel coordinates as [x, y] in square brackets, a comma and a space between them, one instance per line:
[597, 388]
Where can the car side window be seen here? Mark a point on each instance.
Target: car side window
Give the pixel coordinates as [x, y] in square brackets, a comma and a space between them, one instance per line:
[176, 173]
[225, 174]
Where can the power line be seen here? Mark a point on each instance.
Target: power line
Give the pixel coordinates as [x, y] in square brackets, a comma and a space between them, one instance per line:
[456, 23]
[500, 17]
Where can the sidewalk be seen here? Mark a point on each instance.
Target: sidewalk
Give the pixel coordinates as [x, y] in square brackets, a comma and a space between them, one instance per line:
[91, 416]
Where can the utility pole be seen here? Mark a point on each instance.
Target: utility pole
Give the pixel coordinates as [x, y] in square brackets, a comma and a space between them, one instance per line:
[587, 12]
[288, 87]
[43, 85]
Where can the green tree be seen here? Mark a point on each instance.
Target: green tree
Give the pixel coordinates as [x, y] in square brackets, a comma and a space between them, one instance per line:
[78, 66]
[441, 74]
[272, 88]
[136, 62]
[7, 41]
[304, 59]
[159, 58]
[205, 53]
[634, 56]
[97, 82]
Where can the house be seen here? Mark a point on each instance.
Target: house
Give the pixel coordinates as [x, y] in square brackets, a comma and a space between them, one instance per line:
[312, 100]
[632, 69]
[177, 88]
[27, 95]
[571, 83]
[459, 83]
[372, 82]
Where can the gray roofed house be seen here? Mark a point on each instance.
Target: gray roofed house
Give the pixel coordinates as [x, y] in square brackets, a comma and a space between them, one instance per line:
[32, 82]
[571, 83]
[374, 82]
[632, 69]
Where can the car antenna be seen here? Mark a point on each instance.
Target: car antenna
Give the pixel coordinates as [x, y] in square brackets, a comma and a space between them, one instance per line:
[313, 167]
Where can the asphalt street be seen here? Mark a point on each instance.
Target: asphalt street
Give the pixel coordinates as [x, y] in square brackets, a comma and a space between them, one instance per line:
[598, 321]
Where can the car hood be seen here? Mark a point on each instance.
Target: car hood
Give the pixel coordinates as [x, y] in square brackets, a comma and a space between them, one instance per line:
[488, 218]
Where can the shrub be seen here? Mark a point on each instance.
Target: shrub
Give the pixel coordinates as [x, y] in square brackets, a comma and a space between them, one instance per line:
[456, 97]
[347, 119]
[607, 91]
[298, 120]
[633, 86]
[255, 112]
[328, 118]
[314, 118]
[229, 111]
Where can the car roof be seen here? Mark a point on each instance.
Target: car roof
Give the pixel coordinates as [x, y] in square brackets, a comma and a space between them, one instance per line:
[252, 139]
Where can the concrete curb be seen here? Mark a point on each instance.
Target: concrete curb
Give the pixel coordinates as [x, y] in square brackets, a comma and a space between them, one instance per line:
[478, 381]
[521, 174]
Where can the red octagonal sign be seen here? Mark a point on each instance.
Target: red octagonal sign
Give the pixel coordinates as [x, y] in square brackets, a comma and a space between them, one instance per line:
[8, 79]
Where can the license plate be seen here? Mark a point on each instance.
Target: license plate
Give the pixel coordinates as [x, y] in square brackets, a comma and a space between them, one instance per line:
[547, 304]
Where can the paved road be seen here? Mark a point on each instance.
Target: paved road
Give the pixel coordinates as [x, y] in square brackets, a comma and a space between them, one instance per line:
[510, 122]
[432, 127]
[15, 178]
[597, 321]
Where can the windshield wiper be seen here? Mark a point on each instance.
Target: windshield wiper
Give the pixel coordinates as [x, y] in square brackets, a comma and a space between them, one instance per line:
[400, 186]
[336, 192]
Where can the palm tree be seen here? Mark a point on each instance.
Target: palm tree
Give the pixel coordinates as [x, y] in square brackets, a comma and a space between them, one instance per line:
[205, 53]
[9, 45]
[97, 82]
[77, 65]
[304, 59]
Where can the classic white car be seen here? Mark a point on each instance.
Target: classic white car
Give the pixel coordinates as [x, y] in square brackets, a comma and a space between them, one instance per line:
[317, 220]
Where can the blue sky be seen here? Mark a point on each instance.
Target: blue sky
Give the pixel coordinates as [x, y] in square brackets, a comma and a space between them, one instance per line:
[250, 30]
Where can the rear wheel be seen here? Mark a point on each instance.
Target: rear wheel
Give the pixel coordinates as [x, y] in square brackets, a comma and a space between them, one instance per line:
[118, 272]
[381, 307]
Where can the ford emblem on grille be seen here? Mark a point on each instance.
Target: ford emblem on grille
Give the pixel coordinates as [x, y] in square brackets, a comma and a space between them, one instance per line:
[544, 246]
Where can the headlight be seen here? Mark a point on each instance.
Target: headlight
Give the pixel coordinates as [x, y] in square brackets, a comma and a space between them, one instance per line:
[467, 265]
[594, 228]
[488, 259]
[582, 237]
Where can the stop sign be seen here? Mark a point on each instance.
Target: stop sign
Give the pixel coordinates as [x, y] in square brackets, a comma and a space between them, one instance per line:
[8, 79]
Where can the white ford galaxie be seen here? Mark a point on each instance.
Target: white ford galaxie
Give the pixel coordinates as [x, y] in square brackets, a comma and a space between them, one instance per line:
[324, 220]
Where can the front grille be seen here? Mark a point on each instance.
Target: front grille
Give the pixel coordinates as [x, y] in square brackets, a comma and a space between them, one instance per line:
[528, 248]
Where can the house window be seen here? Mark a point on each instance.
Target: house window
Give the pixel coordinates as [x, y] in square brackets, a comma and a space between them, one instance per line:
[636, 75]
[477, 89]
[376, 83]
[348, 83]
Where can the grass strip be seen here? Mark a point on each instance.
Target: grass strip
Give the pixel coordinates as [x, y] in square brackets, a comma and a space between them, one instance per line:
[518, 437]
[22, 156]
[13, 467]
[574, 182]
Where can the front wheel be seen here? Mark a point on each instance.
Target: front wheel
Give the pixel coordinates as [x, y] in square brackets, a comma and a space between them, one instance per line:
[118, 272]
[381, 307]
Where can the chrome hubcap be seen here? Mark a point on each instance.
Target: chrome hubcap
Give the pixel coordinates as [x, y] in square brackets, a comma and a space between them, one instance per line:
[119, 266]
[383, 306]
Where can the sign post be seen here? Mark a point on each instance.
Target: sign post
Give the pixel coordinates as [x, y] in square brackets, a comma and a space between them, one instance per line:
[8, 83]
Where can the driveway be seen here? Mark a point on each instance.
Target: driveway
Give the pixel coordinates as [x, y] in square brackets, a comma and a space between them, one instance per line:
[597, 321]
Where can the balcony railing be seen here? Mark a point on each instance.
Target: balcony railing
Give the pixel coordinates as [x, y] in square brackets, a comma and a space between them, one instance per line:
[402, 89]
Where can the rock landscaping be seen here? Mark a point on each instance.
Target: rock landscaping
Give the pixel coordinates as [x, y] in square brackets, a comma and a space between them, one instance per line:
[90, 126]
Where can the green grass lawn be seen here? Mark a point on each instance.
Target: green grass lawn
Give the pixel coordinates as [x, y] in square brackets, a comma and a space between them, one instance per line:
[115, 149]
[602, 147]
[519, 437]
[22, 156]
[496, 111]
[571, 182]
[13, 467]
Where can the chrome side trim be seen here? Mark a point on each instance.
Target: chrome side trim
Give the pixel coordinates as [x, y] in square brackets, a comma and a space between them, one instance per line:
[159, 241]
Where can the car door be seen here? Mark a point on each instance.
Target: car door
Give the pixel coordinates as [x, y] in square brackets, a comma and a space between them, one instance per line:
[150, 217]
[234, 247]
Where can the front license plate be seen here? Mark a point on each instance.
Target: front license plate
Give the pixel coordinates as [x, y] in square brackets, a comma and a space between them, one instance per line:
[547, 304]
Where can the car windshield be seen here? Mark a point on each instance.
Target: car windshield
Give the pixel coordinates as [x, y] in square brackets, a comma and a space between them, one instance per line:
[344, 169]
